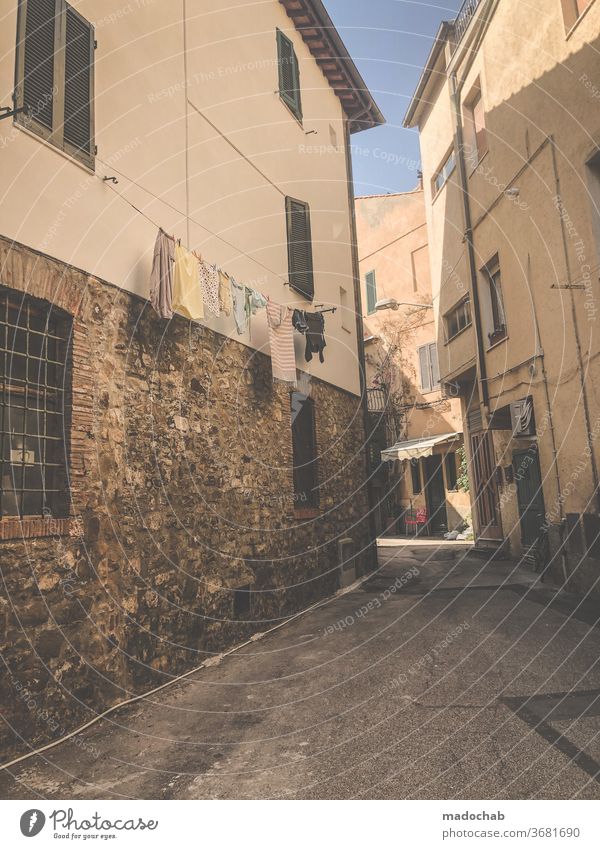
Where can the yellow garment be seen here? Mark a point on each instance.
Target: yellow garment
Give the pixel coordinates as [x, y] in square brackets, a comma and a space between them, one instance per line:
[225, 301]
[187, 293]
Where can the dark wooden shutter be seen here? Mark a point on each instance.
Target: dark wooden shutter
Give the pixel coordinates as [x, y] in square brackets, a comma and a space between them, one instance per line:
[289, 74]
[79, 53]
[38, 70]
[300, 259]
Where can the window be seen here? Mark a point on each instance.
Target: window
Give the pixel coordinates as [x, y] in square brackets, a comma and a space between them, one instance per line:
[300, 259]
[55, 75]
[443, 173]
[573, 10]
[371, 284]
[496, 317]
[34, 407]
[289, 74]
[304, 443]
[458, 318]
[451, 473]
[415, 472]
[428, 367]
[475, 132]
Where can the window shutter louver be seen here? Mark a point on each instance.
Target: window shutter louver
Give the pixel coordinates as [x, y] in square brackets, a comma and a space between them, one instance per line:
[300, 261]
[38, 71]
[78, 80]
[424, 368]
[289, 74]
[371, 292]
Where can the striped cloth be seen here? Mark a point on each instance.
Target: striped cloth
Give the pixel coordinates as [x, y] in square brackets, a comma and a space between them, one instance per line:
[281, 338]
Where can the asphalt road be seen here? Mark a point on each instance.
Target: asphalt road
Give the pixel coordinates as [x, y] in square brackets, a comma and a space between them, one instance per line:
[441, 677]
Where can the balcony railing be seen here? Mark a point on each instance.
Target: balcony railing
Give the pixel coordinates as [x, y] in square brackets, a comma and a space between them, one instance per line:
[376, 400]
[464, 18]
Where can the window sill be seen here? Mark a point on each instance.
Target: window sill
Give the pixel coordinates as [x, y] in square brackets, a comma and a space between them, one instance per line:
[31, 527]
[306, 513]
[494, 343]
[89, 169]
[477, 164]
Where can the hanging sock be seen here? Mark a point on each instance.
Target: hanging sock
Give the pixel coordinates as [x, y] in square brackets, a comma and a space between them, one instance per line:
[161, 278]
[315, 336]
[281, 338]
[187, 291]
[225, 302]
[238, 297]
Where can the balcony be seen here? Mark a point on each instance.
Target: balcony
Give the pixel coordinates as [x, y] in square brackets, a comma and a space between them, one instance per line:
[463, 19]
[376, 400]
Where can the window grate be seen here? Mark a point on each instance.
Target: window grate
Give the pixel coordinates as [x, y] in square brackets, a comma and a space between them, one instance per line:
[35, 375]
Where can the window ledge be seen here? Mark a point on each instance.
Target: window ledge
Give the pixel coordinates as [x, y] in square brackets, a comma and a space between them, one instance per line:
[39, 137]
[306, 512]
[30, 527]
[476, 166]
[460, 332]
[497, 342]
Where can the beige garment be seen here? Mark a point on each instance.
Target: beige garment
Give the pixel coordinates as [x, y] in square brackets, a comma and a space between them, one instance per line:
[281, 337]
[161, 279]
[187, 293]
[225, 301]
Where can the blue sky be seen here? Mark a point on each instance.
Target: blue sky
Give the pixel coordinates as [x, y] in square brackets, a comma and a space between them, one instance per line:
[389, 40]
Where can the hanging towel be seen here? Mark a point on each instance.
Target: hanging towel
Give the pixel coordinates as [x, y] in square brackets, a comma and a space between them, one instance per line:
[315, 336]
[187, 291]
[161, 278]
[281, 338]
[238, 297]
[211, 290]
[225, 302]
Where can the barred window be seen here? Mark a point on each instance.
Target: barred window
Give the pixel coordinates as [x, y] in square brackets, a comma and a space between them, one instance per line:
[35, 404]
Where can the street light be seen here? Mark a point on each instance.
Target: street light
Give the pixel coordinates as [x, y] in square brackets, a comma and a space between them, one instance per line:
[393, 304]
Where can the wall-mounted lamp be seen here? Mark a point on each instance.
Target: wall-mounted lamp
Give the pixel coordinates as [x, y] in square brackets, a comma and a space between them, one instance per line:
[393, 304]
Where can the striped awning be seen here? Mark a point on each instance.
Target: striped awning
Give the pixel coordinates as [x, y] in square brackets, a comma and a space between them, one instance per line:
[412, 449]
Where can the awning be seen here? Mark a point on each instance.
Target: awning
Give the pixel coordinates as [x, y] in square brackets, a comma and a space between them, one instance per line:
[412, 449]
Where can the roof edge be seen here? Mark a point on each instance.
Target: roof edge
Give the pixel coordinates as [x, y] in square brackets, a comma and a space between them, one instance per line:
[439, 42]
[312, 20]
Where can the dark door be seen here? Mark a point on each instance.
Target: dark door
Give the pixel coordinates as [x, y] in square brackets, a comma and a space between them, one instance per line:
[435, 494]
[486, 490]
[530, 498]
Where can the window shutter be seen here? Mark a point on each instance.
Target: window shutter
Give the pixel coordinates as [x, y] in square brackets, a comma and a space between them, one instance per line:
[79, 57]
[435, 368]
[371, 292]
[424, 368]
[289, 74]
[38, 72]
[300, 260]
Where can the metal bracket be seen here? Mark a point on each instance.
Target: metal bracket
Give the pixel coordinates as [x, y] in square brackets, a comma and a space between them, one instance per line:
[9, 112]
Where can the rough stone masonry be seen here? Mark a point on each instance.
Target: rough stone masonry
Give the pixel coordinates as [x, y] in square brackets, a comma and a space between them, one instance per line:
[182, 491]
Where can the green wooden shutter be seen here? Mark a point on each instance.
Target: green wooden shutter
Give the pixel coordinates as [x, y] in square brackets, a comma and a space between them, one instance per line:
[434, 365]
[371, 292]
[79, 60]
[38, 67]
[300, 259]
[289, 74]
[423, 353]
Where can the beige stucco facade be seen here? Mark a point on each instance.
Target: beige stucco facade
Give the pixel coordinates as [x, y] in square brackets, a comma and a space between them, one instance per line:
[531, 189]
[394, 253]
[189, 120]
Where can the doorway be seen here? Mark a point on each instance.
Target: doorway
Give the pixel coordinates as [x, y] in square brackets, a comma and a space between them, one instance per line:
[486, 489]
[435, 494]
[530, 498]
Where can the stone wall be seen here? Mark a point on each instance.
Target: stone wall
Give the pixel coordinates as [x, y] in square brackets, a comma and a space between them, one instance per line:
[182, 492]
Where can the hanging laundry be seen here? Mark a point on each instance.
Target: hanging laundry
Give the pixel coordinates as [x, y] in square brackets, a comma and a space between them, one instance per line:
[238, 297]
[299, 321]
[187, 291]
[281, 338]
[161, 278]
[254, 302]
[315, 336]
[225, 302]
[211, 289]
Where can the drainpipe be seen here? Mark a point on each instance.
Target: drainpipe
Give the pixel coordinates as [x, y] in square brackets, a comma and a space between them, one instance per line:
[360, 337]
[464, 186]
[580, 368]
